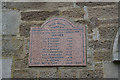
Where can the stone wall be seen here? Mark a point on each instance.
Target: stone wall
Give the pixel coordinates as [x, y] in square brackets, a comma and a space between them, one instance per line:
[101, 20]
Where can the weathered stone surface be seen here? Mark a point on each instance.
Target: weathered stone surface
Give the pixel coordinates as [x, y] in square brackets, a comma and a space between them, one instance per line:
[0, 45]
[11, 43]
[90, 36]
[38, 15]
[97, 45]
[19, 54]
[108, 32]
[68, 73]
[111, 69]
[93, 4]
[10, 22]
[107, 12]
[26, 46]
[22, 5]
[48, 73]
[0, 20]
[90, 63]
[25, 73]
[96, 35]
[109, 21]
[109, 25]
[103, 56]
[89, 27]
[98, 65]
[82, 21]
[98, 73]
[1, 67]
[6, 67]
[90, 59]
[73, 13]
[36, 5]
[107, 29]
[93, 23]
[25, 28]
[21, 63]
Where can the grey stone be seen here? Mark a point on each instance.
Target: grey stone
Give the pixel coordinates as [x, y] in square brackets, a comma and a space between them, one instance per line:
[10, 22]
[11, 43]
[119, 71]
[48, 73]
[36, 5]
[110, 70]
[0, 41]
[6, 68]
[24, 73]
[69, 73]
[0, 18]
[0, 68]
[0, 45]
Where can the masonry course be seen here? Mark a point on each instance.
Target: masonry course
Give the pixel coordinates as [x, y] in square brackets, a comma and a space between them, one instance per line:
[101, 18]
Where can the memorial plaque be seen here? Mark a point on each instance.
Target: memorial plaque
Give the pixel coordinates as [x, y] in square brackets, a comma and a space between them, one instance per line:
[57, 42]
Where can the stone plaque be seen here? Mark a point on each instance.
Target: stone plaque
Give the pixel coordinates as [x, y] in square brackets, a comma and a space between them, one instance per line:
[57, 43]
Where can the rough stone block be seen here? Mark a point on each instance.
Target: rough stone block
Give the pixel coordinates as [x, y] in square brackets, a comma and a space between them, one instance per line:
[90, 59]
[21, 63]
[26, 45]
[22, 5]
[48, 73]
[89, 27]
[111, 70]
[90, 37]
[98, 65]
[36, 5]
[103, 56]
[90, 63]
[103, 12]
[82, 21]
[108, 32]
[98, 73]
[20, 54]
[69, 73]
[109, 21]
[11, 43]
[25, 28]
[100, 45]
[6, 67]
[10, 22]
[94, 4]
[25, 73]
[73, 13]
[0, 68]
[38, 15]
[93, 23]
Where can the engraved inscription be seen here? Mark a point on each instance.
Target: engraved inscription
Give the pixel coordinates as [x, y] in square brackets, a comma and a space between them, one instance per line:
[57, 43]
